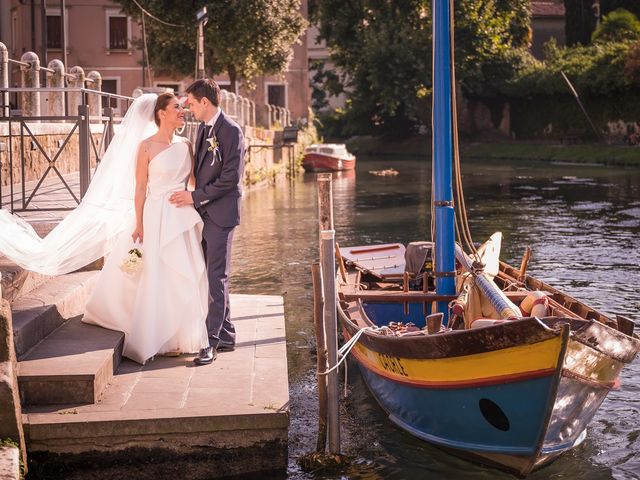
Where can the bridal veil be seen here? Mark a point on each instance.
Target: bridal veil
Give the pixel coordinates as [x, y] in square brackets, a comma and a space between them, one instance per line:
[87, 233]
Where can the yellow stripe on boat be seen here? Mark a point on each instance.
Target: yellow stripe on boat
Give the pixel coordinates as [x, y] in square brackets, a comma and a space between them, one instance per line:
[514, 363]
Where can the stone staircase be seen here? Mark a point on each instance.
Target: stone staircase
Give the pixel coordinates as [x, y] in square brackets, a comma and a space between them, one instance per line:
[88, 412]
[60, 359]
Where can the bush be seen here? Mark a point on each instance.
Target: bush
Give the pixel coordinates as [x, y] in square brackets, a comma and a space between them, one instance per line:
[594, 70]
[619, 26]
[632, 66]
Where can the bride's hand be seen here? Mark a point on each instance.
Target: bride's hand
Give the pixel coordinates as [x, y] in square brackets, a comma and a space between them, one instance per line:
[137, 234]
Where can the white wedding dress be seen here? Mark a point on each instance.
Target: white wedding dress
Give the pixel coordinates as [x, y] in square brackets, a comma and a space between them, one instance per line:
[161, 307]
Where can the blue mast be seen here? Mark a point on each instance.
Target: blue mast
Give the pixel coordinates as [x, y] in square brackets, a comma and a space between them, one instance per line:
[443, 153]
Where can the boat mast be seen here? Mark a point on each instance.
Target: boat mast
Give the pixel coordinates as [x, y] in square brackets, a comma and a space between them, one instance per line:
[443, 153]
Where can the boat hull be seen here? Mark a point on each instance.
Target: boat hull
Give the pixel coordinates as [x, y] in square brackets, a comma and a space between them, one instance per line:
[317, 162]
[514, 397]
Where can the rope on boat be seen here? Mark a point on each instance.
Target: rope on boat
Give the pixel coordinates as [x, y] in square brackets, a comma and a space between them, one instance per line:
[346, 349]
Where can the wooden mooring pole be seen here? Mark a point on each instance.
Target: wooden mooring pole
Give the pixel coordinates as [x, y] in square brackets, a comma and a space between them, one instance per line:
[328, 265]
[321, 349]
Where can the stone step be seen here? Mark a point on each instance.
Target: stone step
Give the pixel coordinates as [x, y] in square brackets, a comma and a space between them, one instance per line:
[41, 311]
[16, 281]
[73, 365]
[170, 419]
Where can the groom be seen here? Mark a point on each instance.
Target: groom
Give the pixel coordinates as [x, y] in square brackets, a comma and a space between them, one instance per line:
[218, 167]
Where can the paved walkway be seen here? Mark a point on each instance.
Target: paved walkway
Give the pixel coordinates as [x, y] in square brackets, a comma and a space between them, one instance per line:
[51, 194]
[239, 402]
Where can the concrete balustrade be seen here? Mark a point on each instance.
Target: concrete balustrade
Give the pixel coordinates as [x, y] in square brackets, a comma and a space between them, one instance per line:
[30, 76]
[56, 80]
[93, 99]
[242, 109]
[4, 80]
[76, 81]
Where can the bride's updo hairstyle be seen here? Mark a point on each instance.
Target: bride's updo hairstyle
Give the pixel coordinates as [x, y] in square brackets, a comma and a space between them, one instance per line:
[163, 100]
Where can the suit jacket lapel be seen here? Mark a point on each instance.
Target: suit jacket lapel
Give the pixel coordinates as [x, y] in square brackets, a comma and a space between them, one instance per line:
[200, 145]
[203, 148]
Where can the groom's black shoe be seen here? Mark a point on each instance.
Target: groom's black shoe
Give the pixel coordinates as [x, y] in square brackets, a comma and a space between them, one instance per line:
[205, 357]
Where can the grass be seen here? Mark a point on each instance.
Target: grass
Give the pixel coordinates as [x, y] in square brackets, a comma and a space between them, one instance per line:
[420, 146]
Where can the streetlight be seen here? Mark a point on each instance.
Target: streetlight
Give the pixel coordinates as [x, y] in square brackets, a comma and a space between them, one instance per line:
[201, 19]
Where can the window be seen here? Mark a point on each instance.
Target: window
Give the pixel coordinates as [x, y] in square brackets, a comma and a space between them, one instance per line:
[54, 31]
[117, 33]
[109, 86]
[117, 30]
[276, 95]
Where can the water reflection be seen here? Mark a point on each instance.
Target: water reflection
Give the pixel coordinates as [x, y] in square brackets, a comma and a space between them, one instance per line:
[583, 224]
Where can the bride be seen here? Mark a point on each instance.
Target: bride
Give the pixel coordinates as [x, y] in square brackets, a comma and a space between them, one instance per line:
[161, 308]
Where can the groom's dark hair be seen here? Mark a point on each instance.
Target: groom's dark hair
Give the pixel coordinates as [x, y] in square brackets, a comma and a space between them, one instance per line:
[205, 88]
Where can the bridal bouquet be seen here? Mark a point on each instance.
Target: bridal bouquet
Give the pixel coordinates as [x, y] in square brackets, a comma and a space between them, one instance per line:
[132, 262]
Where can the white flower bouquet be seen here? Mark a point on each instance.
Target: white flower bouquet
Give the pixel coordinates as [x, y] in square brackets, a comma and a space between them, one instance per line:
[132, 263]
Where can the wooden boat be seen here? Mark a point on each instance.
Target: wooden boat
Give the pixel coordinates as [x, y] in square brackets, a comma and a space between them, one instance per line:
[328, 157]
[442, 342]
[514, 394]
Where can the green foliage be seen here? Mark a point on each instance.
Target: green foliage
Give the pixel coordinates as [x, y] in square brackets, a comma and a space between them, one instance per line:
[532, 116]
[619, 26]
[632, 66]
[607, 6]
[383, 48]
[324, 83]
[245, 38]
[594, 70]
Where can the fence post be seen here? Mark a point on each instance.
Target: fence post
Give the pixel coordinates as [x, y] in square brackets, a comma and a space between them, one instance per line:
[30, 79]
[93, 99]
[269, 115]
[84, 147]
[56, 80]
[240, 118]
[5, 108]
[108, 134]
[253, 113]
[223, 99]
[75, 98]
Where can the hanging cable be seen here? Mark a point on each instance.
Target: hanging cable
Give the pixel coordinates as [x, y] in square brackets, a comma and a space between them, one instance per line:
[157, 19]
[462, 223]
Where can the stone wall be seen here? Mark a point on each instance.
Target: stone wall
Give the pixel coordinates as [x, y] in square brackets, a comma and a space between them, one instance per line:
[262, 162]
[50, 137]
[10, 409]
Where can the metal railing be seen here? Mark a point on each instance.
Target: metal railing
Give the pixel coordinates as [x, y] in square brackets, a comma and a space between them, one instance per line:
[88, 148]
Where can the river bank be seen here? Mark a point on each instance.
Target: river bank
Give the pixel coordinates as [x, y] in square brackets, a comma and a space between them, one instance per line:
[583, 153]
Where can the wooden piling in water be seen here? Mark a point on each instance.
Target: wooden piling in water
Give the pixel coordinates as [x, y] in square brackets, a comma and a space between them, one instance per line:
[328, 265]
[321, 350]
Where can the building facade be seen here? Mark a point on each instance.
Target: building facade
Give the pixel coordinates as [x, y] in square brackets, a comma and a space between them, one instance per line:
[98, 36]
[547, 22]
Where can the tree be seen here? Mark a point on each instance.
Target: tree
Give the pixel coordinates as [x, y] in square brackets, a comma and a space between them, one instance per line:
[619, 26]
[580, 21]
[383, 48]
[244, 38]
[607, 6]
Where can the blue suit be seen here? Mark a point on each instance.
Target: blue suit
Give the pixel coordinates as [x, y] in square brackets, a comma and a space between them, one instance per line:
[217, 198]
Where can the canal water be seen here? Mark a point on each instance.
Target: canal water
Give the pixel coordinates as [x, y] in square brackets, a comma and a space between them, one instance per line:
[583, 224]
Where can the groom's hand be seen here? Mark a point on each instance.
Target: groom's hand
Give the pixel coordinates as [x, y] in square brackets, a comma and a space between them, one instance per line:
[181, 198]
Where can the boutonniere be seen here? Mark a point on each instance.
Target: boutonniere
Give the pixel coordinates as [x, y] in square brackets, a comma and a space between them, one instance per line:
[213, 143]
[214, 146]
